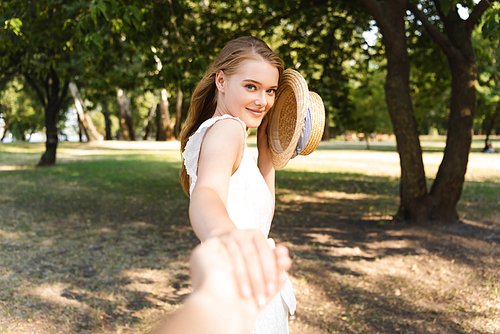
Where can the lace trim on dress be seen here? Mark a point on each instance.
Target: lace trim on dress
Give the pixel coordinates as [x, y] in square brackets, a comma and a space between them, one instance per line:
[191, 152]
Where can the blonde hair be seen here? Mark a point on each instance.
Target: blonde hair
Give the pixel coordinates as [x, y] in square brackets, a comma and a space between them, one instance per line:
[204, 99]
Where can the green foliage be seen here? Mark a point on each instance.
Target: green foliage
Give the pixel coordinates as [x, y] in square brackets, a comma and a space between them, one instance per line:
[369, 114]
[20, 110]
[488, 88]
[320, 41]
[491, 27]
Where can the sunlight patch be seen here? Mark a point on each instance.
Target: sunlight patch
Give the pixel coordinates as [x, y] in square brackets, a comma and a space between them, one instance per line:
[10, 168]
[55, 293]
[9, 235]
[343, 195]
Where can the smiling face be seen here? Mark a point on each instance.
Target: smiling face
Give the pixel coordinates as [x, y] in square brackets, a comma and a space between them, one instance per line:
[249, 92]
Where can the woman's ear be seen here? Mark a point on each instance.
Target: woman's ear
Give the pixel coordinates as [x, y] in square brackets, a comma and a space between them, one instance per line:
[220, 81]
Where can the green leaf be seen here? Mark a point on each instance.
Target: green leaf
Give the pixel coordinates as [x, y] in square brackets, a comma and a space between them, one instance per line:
[135, 12]
[103, 9]
[15, 25]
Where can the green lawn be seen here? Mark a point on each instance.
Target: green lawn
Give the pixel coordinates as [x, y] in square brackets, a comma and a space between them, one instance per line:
[99, 243]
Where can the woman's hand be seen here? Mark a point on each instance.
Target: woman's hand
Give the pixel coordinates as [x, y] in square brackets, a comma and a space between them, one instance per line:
[255, 264]
[264, 161]
[262, 143]
[212, 269]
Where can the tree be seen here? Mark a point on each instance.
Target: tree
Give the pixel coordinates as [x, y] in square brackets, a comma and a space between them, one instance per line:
[33, 43]
[417, 204]
[83, 115]
[454, 36]
[51, 43]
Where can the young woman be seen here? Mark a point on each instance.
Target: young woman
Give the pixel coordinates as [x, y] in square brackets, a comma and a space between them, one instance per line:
[232, 197]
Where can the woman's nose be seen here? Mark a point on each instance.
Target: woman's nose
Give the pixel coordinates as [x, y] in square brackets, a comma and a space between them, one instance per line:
[261, 100]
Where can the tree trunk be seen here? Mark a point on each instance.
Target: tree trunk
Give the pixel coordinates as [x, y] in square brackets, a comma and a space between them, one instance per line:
[458, 48]
[492, 125]
[414, 205]
[51, 102]
[90, 130]
[80, 134]
[326, 132]
[178, 113]
[151, 115]
[125, 115]
[107, 124]
[447, 187]
[81, 130]
[164, 130]
[49, 157]
[5, 129]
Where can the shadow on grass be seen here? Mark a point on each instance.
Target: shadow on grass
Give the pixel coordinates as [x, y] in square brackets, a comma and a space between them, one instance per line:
[88, 226]
[336, 236]
[106, 232]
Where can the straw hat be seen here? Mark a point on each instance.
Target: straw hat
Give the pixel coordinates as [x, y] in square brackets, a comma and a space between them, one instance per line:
[296, 121]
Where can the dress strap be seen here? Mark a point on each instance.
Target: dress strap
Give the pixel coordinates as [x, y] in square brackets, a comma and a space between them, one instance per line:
[191, 152]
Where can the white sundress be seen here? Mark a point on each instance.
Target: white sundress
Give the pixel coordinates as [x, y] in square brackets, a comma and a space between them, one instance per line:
[250, 206]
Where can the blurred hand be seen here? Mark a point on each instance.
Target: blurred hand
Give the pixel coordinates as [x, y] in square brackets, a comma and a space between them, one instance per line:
[241, 261]
[254, 264]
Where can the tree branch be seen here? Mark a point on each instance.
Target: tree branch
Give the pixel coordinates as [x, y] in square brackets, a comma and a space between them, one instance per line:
[330, 44]
[45, 83]
[440, 10]
[64, 93]
[375, 10]
[434, 32]
[36, 88]
[476, 14]
[260, 25]
[178, 34]
[55, 85]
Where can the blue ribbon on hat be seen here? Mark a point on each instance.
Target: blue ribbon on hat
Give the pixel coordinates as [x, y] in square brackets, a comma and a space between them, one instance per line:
[306, 133]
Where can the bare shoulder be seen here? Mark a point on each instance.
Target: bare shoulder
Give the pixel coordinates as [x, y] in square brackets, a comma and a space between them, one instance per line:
[227, 131]
[222, 147]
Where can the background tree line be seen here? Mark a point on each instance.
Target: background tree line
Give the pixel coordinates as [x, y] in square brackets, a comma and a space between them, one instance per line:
[136, 63]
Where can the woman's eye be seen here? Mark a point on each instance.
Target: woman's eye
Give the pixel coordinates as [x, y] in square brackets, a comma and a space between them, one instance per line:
[271, 91]
[250, 87]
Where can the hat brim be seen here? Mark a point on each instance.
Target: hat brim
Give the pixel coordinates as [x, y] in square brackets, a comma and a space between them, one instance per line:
[287, 118]
[318, 123]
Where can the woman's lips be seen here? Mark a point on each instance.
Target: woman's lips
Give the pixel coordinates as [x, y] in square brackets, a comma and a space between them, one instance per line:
[256, 113]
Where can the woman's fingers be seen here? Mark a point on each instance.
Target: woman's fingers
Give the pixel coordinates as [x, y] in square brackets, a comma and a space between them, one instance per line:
[268, 263]
[283, 260]
[254, 268]
[259, 270]
[239, 267]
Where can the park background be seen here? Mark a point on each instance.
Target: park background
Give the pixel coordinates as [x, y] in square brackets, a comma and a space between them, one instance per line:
[392, 224]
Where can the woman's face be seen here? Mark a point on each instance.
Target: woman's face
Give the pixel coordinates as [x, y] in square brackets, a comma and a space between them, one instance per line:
[248, 93]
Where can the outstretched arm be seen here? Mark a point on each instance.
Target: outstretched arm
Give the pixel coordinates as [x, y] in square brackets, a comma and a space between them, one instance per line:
[220, 156]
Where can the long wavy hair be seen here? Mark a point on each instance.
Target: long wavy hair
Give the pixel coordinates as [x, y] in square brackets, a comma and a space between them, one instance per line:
[204, 99]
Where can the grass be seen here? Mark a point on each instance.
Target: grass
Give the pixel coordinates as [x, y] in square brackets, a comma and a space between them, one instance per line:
[99, 243]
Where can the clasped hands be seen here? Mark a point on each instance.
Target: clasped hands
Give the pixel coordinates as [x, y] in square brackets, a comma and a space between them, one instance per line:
[245, 262]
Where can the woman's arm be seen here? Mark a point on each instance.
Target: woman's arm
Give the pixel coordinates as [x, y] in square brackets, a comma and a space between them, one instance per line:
[220, 156]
